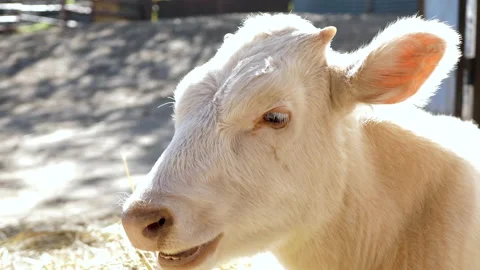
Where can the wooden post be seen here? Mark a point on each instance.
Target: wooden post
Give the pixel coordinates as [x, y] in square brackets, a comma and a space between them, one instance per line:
[460, 72]
[421, 8]
[92, 14]
[476, 71]
[63, 13]
[146, 9]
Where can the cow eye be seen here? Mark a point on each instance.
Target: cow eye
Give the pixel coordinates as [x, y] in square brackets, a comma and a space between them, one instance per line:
[276, 119]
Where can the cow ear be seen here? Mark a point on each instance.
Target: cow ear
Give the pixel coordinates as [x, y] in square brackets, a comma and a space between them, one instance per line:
[401, 59]
[319, 43]
[326, 34]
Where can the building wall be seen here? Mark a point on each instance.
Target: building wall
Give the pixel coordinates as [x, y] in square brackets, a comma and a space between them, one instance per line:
[447, 11]
[357, 6]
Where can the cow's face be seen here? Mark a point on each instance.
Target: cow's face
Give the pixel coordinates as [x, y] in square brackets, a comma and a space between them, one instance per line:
[261, 143]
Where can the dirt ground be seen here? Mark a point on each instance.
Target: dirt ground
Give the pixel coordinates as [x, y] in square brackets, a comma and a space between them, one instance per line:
[71, 103]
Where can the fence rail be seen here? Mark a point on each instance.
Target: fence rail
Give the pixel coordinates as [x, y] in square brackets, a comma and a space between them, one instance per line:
[15, 15]
[60, 13]
[20, 7]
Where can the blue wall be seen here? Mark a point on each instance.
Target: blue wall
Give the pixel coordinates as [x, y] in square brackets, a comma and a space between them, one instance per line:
[447, 11]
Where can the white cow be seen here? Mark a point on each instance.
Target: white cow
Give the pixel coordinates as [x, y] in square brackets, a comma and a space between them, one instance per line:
[324, 159]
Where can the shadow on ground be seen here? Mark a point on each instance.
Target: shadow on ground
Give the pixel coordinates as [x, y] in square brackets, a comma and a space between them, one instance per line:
[71, 103]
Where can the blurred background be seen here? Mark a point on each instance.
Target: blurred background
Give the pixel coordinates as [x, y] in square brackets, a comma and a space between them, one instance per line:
[81, 82]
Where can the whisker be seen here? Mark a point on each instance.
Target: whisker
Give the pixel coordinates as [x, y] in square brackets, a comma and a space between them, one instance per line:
[166, 103]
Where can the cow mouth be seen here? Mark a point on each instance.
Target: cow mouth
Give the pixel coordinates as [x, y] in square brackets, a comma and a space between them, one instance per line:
[190, 257]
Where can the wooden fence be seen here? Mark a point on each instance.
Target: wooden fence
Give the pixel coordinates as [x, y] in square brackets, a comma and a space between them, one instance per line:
[182, 8]
[71, 15]
[16, 14]
[142, 9]
[121, 10]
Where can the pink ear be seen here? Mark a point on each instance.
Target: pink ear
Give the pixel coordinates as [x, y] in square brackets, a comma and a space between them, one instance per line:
[396, 70]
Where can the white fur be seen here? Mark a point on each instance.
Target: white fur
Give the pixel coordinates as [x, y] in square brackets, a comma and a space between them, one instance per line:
[343, 186]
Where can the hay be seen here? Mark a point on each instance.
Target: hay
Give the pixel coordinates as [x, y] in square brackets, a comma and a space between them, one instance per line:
[81, 246]
[46, 246]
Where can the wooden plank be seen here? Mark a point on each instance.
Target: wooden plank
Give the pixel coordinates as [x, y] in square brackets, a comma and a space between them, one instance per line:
[30, 8]
[108, 10]
[63, 13]
[107, 7]
[17, 7]
[5, 19]
[48, 20]
[7, 29]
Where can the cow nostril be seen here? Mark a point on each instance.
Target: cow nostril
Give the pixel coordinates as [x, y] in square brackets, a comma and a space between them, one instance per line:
[153, 229]
[161, 222]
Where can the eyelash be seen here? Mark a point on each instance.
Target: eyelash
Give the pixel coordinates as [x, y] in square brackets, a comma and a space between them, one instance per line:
[276, 119]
